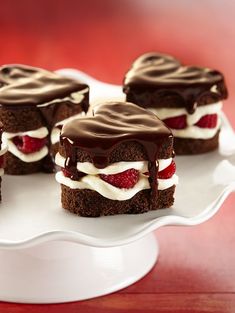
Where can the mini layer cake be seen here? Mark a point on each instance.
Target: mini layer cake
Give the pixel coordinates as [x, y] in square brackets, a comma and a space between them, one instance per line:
[187, 98]
[3, 150]
[117, 161]
[34, 103]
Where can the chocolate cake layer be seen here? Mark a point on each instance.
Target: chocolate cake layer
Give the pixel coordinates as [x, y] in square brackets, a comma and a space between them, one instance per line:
[195, 146]
[159, 80]
[90, 203]
[14, 166]
[27, 119]
[20, 120]
[127, 151]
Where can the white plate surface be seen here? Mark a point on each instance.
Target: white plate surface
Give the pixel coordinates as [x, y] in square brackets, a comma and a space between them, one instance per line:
[31, 212]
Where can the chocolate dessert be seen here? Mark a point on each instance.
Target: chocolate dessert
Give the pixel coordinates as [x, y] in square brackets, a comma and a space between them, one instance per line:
[34, 104]
[120, 160]
[187, 98]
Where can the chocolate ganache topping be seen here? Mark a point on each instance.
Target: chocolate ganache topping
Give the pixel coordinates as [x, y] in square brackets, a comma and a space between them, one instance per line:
[26, 85]
[112, 124]
[164, 76]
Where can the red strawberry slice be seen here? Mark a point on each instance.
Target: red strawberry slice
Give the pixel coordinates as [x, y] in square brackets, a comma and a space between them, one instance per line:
[66, 172]
[126, 179]
[208, 121]
[27, 144]
[177, 122]
[73, 174]
[167, 172]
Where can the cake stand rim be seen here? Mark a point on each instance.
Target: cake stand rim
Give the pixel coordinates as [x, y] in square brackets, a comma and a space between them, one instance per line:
[168, 220]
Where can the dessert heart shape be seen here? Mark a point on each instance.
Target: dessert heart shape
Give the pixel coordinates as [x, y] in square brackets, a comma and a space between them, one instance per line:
[155, 68]
[159, 72]
[112, 125]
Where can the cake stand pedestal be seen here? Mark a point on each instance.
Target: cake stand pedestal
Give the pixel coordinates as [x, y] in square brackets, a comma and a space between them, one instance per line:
[60, 271]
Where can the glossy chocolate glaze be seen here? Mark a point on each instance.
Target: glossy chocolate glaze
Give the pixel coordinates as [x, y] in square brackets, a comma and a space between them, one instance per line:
[26, 85]
[112, 124]
[164, 76]
[23, 86]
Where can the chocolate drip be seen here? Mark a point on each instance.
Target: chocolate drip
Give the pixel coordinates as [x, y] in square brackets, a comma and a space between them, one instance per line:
[165, 76]
[112, 124]
[33, 88]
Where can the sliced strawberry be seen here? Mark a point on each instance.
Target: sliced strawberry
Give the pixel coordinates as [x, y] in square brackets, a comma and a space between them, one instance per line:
[208, 121]
[27, 144]
[74, 175]
[66, 172]
[126, 179]
[167, 172]
[177, 122]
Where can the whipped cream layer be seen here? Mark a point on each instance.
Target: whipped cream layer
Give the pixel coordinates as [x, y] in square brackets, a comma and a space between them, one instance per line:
[30, 157]
[92, 180]
[55, 133]
[114, 168]
[192, 131]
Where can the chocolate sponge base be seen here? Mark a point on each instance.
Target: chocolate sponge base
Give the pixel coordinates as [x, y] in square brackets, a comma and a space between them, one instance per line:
[14, 166]
[90, 203]
[195, 146]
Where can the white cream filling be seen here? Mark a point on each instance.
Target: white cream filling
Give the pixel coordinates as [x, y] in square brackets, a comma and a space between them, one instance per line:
[192, 131]
[55, 133]
[37, 133]
[30, 157]
[114, 168]
[93, 182]
[111, 192]
[167, 183]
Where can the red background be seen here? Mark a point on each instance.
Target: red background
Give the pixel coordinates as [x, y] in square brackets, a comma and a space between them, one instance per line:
[196, 269]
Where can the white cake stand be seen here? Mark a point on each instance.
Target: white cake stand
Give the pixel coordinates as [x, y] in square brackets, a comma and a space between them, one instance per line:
[48, 255]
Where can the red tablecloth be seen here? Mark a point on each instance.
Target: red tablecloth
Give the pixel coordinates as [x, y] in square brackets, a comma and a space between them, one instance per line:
[196, 268]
